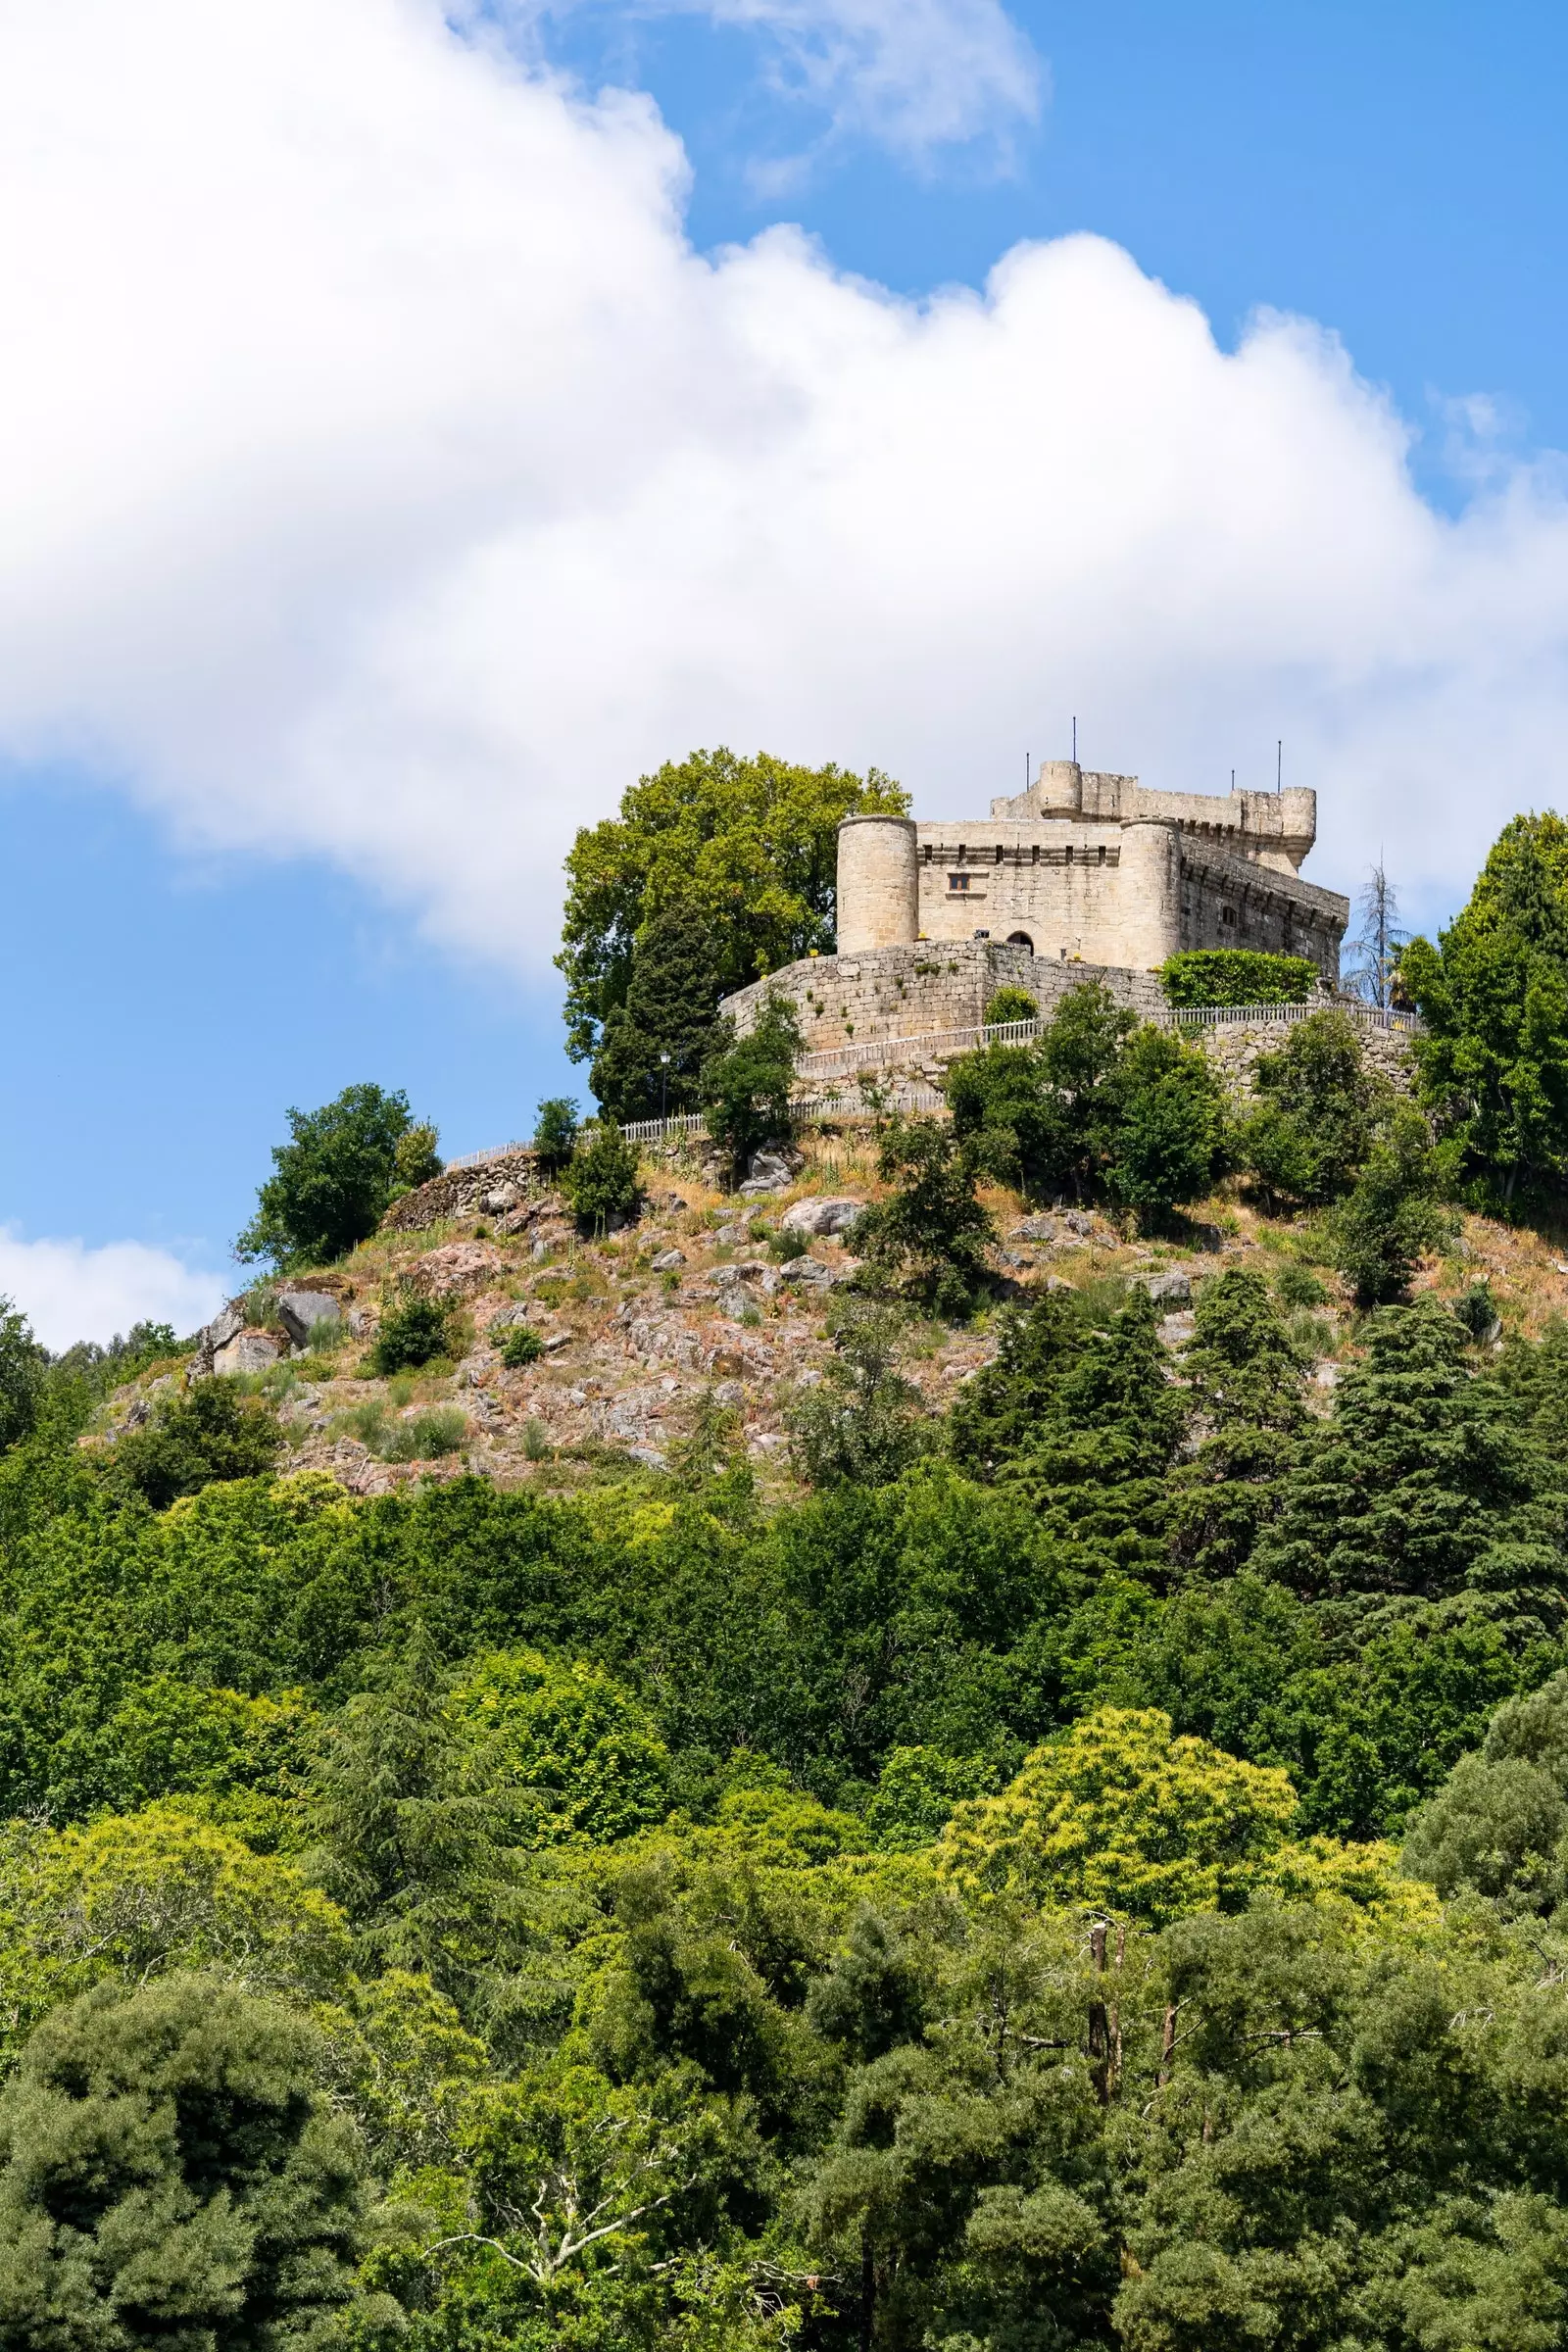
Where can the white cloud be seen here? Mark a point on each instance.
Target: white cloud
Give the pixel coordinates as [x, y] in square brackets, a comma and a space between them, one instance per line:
[68, 1292]
[381, 475]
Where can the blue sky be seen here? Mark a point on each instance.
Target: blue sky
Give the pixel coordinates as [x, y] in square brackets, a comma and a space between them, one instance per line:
[207, 922]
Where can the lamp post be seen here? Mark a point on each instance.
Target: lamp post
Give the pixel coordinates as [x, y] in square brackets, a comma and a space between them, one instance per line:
[663, 1085]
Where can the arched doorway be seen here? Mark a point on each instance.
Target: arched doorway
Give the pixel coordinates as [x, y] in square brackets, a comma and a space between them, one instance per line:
[1020, 939]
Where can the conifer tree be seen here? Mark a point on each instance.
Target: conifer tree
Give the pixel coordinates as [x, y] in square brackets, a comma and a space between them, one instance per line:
[652, 1045]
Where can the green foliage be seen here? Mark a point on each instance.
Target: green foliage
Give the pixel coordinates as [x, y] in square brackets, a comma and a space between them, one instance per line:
[669, 1010]
[1493, 995]
[554, 1133]
[209, 1433]
[414, 1329]
[918, 1791]
[424, 1436]
[1318, 1111]
[1498, 1826]
[745, 849]
[521, 1347]
[336, 1176]
[747, 1081]
[1096, 1104]
[174, 2175]
[582, 1755]
[600, 1183]
[22, 1367]
[1237, 976]
[931, 1233]
[865, 1422]
[1122, 1815]
[1009, 1004]
[1394, 1213]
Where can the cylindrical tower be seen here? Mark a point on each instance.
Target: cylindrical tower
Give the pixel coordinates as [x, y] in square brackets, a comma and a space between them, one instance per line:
[1059, 788]
[1148, 894]
[879, 883]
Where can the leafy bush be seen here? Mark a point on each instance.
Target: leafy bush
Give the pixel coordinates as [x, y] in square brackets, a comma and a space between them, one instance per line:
[747, 1081]
[1010, 1004]
[864, 1423]
[1237, 976]
[930, 1234]
[210, 1432]
[414, 1329]
[555, 1134]
[1318, 1111]
[1171, 1130]
[1394, 1216]
[601, 1181]
[1298, 1285]
[424, 1436]
[521, 1347]
[336, 1177]
[582, 1754]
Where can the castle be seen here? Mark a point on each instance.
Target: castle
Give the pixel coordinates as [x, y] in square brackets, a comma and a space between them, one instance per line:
[1084, 875]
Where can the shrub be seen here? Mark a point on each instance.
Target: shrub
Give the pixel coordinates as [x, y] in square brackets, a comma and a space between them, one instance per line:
[1316, 1115]
[336, 1177]
[1237, 976]
[424, 1436]
[413, 1332]
[1169, 1138]
[1010, 1004]
[747, 1081]
[1393, 1216]
[601, 1180]
[555, 1134]
[211, 1433]
[22, 1364]
[520, 1347]
[864, 1424]
[931, 1233]
[1298, 1285]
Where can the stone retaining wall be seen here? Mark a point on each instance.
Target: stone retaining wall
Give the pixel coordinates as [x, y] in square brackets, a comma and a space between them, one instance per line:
[912, 990]
[1234, 1048]
[463, 1192]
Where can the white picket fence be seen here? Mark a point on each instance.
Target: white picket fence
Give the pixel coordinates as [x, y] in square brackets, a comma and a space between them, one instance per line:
[944, 1045]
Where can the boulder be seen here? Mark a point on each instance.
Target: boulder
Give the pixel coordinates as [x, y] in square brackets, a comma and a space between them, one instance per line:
[667, 1260]
[1176, 1331]
[1172, 1288]
[822, 1217]
[500, 1198]
[456, 1270]
[507, 1316]
[247, 1351]
[728, 1394]
[811, 1271]
[225, 1326]
[1077, 1221]
[771, 1168]
[299, 1312]
[1033, 1229]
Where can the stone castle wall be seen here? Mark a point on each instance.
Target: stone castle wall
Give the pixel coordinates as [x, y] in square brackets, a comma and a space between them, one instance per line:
[932, 985]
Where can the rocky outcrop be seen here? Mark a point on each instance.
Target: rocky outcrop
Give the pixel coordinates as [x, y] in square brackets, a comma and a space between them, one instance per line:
[509, 1178]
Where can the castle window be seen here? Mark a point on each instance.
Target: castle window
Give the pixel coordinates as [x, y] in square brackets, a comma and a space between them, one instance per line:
[1102, 853]
[1227, 915]
[957, 884]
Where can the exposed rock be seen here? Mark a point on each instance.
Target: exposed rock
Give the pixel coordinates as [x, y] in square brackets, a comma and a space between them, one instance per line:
[1033, 1229]
[542, 1246]
[140, 1412]
[458, 1270]
[362, 1321]
[299, 1312]
[225, 1326]
[248, 1351]
[1326, 1373]
[824, 1217]
[1171, 1289]
[557, 1340]
[667, 1260]
[509, 1315]
[675, 1201]
[771, 1168]
[649, 1455]
[812, 1272]
[1175, 1331]
[500, 1198]
[729, 1394]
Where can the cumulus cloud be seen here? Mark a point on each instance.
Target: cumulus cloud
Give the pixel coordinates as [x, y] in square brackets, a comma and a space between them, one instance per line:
[383, 476]
[70, 1292]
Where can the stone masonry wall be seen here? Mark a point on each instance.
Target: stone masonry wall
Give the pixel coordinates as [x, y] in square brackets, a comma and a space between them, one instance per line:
[1234, 1048]
[459, 1192]
[910, 991]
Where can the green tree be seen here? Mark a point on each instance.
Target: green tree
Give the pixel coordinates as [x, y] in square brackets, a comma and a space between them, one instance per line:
[555, 1134]
[173, 2176]
[1318, 1109]
[653, 1046]
[336, 1177]
[747, 1082]
[1394, 1214]
[601, 1184]
[748, 847]
[1168, 1140]
[1010, 1004]
[582, 1754]
[931, 1232]
[1494, 994]
[208, 1434]
[865, 1422]
[23, 1368]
